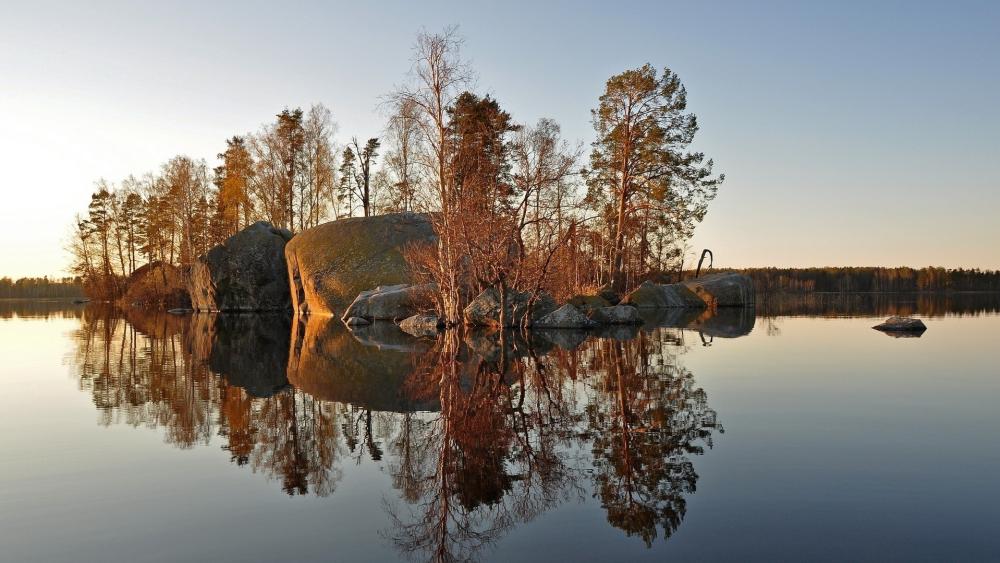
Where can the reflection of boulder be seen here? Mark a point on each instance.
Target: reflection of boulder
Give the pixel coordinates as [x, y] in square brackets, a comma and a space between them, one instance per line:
[329, 265]
[331, 363]
[245, 273]
[727, 322]
[567, 339]
[249, 351]
[157, 284]
[387, 336]
[617, 332]
[154, 323]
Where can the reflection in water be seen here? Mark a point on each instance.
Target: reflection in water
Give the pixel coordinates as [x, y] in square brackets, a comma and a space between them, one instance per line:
[877, 304]
[478, 432]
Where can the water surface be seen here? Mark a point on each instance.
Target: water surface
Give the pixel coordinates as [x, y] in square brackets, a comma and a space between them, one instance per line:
[796, 433]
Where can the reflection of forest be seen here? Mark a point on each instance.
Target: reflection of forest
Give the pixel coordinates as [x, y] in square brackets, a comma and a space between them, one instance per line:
[877, 304]
[479, 432]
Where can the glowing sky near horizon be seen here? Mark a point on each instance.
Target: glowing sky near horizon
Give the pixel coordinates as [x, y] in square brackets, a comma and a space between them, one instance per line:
[850, 133]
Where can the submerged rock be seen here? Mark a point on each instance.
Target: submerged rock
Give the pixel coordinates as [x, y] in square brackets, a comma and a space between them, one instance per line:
[245, 273]
[329, 265]
[727, 289]
[157, 284]
[484, 310]
[651, 295]
[901, 324]
[393, 302]
[422, 325]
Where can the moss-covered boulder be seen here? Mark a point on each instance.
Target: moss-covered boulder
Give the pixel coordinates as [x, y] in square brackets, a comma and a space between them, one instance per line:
[329, 265]
[159, 285]
[245, 273]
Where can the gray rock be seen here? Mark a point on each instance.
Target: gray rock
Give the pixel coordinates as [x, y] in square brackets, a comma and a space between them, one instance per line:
[422, 325]
[651, 295]
[616, 315]
[245, 273]
[329, 265]
[566, 316]
[393, 302]
[357, 321]
[901, 324]
[484, 310]
[727, 289]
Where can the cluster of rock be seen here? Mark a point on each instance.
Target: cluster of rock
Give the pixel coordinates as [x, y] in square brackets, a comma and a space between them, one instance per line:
[334, 267]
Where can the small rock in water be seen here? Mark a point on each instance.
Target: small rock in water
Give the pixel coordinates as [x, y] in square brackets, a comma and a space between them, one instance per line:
[180, 311]
[357, 321]
[901, 324]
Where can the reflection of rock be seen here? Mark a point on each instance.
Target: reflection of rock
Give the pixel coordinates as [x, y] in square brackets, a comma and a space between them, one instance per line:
[157, 284]
[393, 302]
[723, 290]
[729, 322]
[484, 310]
[249, 351]
[245, 273]
[617, 332]
[331, 363]
[329, 265]
[567, 339]
[651, 295]
[153, 323]
[895, 324]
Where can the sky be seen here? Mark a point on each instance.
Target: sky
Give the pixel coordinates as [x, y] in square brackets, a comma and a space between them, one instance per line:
[850, 133]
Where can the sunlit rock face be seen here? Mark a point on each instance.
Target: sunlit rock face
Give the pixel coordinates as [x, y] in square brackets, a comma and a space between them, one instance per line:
[245, 273]
[329, 265]
[368, 367]
[157, 284]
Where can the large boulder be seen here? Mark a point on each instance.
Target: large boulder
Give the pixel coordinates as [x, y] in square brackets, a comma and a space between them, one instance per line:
[245, 273]
[566, 316]
[393, 302]
[484, 310]
[723, 290]
[329, 265]
[157, 284]
[651, 295]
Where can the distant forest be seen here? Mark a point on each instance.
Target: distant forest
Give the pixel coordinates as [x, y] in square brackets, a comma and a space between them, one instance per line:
[41, 288]
[872, 279]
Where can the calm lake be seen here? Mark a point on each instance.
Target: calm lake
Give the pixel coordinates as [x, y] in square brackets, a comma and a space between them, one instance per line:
[793, 432]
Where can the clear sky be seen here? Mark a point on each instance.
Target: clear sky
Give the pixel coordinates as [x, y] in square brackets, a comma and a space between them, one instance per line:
[862, 133]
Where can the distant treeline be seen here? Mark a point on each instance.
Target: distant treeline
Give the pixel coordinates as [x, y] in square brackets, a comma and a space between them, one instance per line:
[40, 288]
[872, 279]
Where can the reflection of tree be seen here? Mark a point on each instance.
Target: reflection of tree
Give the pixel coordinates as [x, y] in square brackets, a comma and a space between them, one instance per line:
[485, 463]
[154, 371]
[647, 419]
[478, 433]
